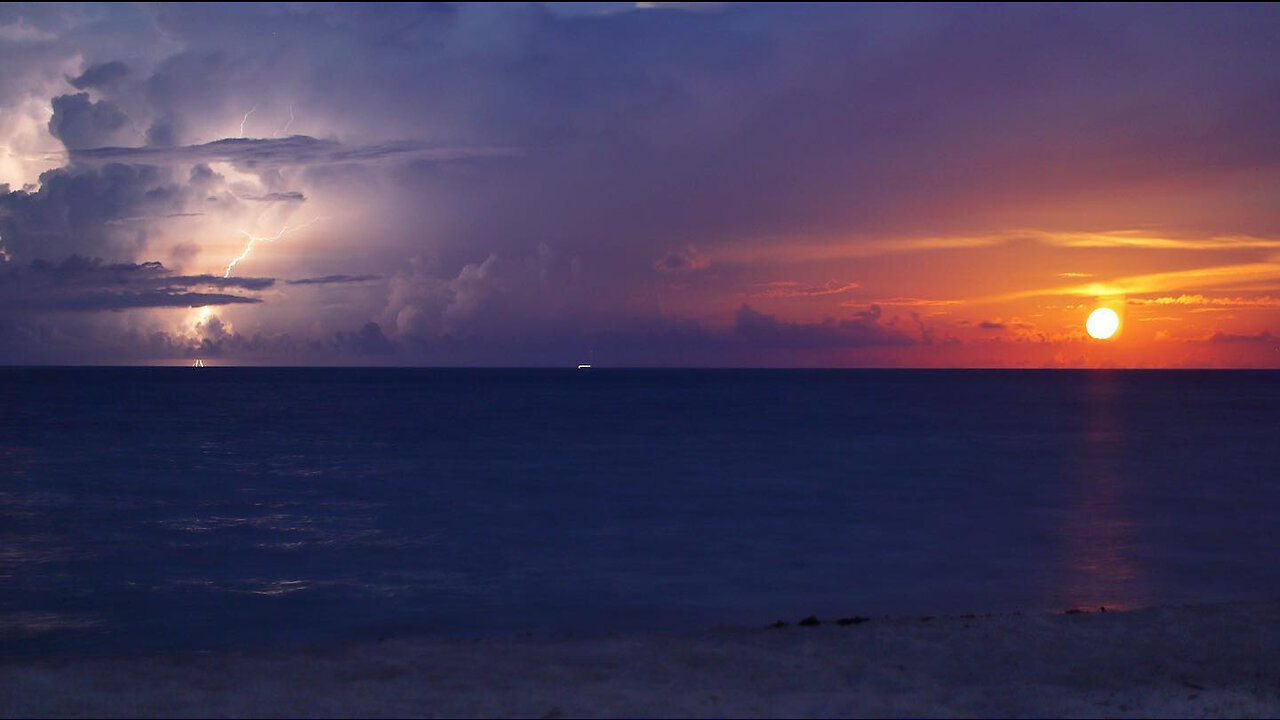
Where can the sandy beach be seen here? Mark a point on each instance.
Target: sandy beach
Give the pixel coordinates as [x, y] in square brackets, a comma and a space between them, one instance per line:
[1192, 661]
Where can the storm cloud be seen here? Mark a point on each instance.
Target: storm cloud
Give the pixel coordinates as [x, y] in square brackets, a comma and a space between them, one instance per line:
[84, 284]
[475, 182]
[271, 152]
[762, 330]
[334, 279]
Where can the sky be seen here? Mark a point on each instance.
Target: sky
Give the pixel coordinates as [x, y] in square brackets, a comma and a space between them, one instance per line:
[651, 184]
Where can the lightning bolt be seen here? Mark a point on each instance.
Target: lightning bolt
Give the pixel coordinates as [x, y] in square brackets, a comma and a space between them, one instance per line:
[4, 254]
[255, 239]
[245, 119]
[285, 129]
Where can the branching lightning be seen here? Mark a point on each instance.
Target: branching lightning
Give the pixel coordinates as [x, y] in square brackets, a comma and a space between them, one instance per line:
[255, 239]
[245, 119]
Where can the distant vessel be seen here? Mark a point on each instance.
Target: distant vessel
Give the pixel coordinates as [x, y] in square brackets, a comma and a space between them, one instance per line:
[584, 366]
[198, 363]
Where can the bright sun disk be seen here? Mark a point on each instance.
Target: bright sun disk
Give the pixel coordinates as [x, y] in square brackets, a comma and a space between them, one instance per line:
[1102, 323]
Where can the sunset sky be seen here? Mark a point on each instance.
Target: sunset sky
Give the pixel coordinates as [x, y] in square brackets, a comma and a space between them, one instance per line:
[671, 184]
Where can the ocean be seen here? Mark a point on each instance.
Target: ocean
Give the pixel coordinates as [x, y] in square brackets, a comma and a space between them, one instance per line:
[157, 509]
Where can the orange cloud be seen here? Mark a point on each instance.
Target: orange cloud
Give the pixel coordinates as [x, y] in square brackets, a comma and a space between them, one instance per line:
[797, 290]
[1145, 239]
[903, 302]
[1225, 337]
[783, 250]
[1264, 301]
[789, 250]
[1196, 278]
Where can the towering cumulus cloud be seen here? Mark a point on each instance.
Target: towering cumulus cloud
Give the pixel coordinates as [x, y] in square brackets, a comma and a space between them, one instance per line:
[744, 184]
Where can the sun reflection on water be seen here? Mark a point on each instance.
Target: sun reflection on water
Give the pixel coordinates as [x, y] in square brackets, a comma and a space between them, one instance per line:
[1101, 566]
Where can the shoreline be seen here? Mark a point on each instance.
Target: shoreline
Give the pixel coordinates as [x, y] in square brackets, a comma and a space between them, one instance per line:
[1195, 661]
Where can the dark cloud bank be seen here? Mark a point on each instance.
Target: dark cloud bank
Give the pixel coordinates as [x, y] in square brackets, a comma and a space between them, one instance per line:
[83, 284]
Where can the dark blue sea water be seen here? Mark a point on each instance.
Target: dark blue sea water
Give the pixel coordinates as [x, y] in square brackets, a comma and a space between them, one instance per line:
[146, 509]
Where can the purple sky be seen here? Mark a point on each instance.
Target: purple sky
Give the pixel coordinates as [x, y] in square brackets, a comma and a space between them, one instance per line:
[722, 184]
